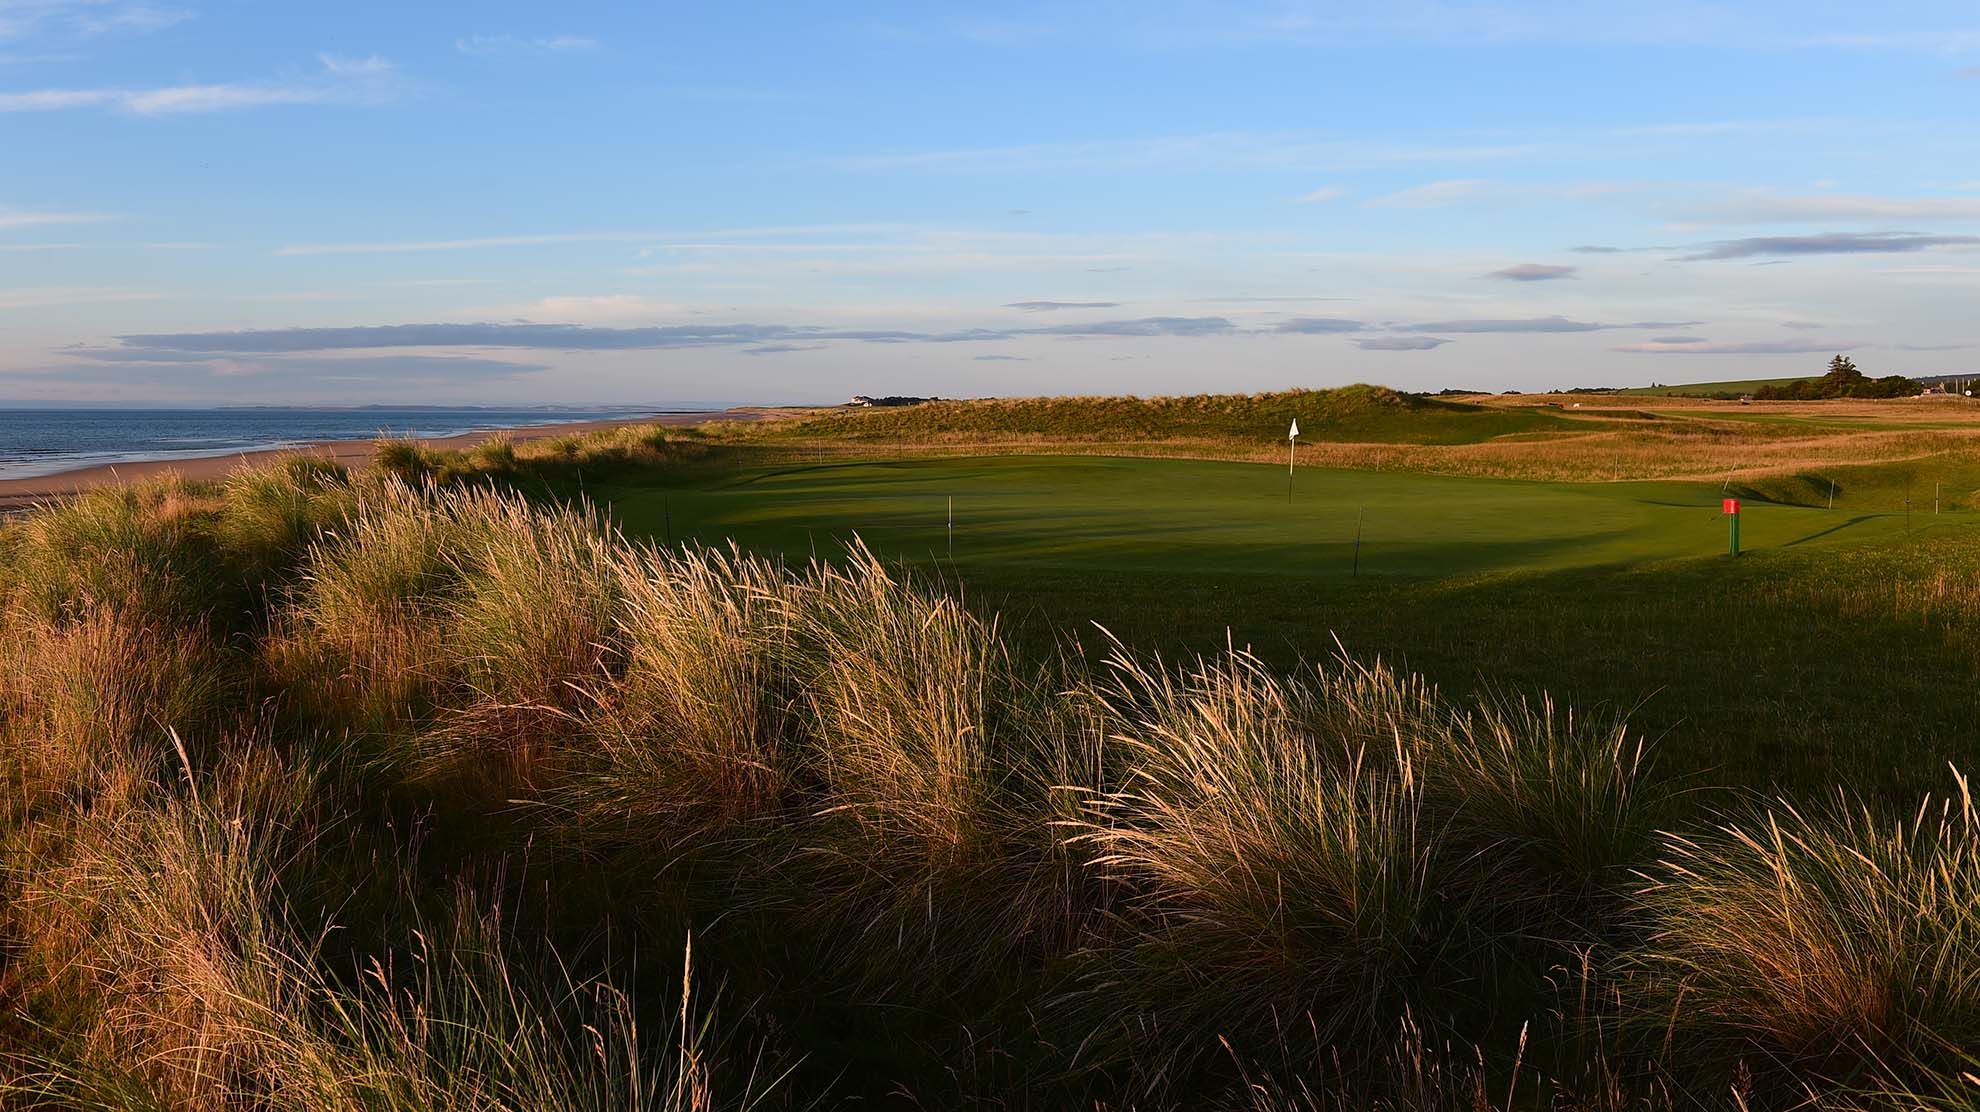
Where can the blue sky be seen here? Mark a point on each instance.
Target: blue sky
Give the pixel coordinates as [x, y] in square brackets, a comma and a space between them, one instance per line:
[223, 201]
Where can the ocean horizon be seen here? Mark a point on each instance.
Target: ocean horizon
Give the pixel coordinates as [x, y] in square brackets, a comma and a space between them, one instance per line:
[36, 442]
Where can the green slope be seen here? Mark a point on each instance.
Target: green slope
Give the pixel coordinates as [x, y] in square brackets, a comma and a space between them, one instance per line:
[1710, 389]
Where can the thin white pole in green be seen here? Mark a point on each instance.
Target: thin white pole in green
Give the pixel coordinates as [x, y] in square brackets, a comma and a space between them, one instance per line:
[1292, 447]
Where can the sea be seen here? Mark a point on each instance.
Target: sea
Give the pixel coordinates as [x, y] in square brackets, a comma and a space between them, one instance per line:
[37, 442]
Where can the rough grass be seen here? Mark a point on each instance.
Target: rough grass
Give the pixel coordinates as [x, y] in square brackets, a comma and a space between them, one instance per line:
[694, 742]
[87, 708]
[1348, 414]
[161, 936]
[1837, 941]
[141, 552]
[474, 768]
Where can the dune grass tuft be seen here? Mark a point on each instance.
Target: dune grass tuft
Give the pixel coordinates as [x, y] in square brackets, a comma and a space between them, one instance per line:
[140, 551]
[1836, 941]
[696, 739]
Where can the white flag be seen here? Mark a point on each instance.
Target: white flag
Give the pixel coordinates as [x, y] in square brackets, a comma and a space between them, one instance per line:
[1294, 434]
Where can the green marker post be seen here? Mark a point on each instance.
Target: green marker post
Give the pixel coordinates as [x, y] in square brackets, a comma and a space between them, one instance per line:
[1730, 507]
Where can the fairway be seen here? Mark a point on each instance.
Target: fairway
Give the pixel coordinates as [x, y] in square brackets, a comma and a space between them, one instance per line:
[1190, 517]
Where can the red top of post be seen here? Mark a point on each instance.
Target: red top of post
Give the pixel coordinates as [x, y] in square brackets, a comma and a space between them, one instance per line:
[1730, 505]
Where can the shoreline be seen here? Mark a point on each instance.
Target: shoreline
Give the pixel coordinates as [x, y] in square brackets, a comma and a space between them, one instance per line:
[24, 492]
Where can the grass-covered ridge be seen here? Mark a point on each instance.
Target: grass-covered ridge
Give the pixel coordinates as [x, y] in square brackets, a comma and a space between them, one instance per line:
[1347, 414]
[1568, 438]
[327, 791]
[1729, 389]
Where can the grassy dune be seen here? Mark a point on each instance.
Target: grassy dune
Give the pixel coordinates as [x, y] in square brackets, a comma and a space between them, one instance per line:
[328, 791]
[1346, 414]
[1572, 439]
[1708, 389]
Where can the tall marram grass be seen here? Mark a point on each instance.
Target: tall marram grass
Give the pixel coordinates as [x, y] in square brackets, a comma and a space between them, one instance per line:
[1324, 855]
[1278, 867]
[1837, 941]
[531, 620]
[161, 937]
[138, 551]
[695, 740]
[86, 708]
[936, 758]
[292, 760]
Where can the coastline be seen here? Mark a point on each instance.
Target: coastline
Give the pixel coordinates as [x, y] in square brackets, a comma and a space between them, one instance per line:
[17, 494]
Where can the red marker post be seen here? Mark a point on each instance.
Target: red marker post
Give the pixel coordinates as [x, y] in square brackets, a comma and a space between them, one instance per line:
[1730, 507]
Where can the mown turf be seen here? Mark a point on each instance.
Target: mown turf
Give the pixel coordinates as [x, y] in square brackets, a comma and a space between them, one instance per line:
[1175, 516]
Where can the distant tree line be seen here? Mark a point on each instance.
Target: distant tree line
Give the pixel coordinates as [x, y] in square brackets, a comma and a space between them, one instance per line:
[1842, 381]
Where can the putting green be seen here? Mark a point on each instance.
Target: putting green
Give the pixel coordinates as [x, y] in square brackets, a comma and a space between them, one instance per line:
[1180, 516]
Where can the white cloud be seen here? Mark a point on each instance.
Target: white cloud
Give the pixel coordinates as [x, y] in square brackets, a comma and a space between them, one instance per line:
[589, 309]
[1472, 24]
[1325, 193]
[463, 244]
[812, 252]
[345, 81]
[51, 100]
[23, 19]
[485, 46]
[1952, 40]
[1230, 149]
[1693, 345]
[1765, 206]
[370, 65]
[22, 218]
[1434, 194]
[184, 99]
[53, 297]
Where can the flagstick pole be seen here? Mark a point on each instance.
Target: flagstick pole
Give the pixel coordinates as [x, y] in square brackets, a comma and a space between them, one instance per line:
[1292, 446]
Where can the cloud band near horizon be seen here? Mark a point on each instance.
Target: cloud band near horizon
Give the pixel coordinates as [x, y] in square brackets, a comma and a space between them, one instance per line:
[790, 337]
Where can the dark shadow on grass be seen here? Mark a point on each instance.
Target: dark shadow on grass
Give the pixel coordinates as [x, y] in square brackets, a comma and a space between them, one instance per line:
[1857, 520]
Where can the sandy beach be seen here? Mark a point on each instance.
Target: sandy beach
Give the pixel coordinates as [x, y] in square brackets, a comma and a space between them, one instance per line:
[19, 493]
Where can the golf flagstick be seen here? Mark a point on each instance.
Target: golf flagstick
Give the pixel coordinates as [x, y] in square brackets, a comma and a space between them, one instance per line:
[1292, 446]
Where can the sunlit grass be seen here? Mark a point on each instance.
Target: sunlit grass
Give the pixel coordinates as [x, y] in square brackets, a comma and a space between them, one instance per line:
[334, 791]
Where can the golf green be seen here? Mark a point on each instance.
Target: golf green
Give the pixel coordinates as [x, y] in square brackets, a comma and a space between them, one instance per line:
[1180, 516]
